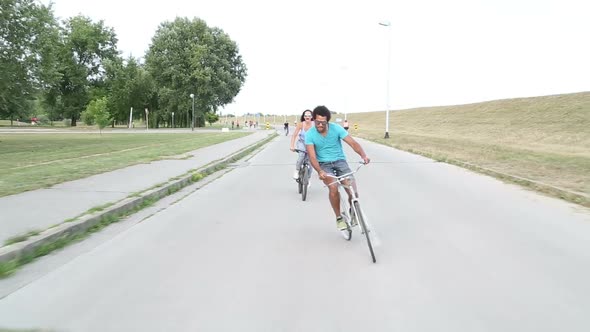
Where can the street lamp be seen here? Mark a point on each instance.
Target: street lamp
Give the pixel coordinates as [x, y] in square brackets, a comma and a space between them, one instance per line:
[193, 120]
[387, 24]
[172, 119]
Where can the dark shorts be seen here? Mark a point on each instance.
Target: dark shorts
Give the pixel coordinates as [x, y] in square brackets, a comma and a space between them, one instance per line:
[337, 167]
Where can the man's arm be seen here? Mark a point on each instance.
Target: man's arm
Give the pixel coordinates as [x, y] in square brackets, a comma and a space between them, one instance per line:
[357, 148]
[313, 160]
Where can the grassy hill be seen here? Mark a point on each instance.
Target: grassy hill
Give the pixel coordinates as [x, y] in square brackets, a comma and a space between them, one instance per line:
[542, 139]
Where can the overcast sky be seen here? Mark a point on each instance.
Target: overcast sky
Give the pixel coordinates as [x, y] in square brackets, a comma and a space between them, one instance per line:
[304, 53]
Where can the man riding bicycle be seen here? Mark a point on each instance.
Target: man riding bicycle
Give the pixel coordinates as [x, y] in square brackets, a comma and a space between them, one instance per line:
[324, 148]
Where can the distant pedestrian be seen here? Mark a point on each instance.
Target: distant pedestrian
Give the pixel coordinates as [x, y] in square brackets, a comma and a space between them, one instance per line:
[345, 125]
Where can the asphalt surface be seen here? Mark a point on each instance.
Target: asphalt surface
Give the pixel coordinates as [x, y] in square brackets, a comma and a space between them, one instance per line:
[457, 252]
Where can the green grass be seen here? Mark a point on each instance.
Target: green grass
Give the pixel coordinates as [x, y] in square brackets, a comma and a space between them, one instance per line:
[21, 238]
[33, 161]
[100, 207]
[543, 139]
[6, 123]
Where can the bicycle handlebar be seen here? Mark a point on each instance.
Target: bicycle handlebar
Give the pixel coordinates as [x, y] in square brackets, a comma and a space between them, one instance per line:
[343, 176]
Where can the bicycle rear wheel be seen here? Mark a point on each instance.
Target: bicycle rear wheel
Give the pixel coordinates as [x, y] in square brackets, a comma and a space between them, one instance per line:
[361, 220]
[304, 180]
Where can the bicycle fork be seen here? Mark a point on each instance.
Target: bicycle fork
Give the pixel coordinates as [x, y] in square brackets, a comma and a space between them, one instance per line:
[347, 207]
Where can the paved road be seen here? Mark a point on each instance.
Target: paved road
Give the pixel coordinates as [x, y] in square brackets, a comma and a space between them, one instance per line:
[459, 252]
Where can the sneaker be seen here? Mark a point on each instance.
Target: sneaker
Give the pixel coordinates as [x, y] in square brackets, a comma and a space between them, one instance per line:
[296, 174]
[341, 224]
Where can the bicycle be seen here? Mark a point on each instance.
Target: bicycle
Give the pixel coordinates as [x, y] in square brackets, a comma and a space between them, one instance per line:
[304, 175]
[352, 215]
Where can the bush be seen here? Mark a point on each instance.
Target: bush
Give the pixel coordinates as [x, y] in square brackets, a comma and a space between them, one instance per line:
[87, 118]
[43, 119]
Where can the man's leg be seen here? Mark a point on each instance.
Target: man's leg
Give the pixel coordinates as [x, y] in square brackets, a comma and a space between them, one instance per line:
[333, 195]
[341, 167]
[346, 183]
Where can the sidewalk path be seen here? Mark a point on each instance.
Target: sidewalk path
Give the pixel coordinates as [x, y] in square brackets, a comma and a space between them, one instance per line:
[43, 208]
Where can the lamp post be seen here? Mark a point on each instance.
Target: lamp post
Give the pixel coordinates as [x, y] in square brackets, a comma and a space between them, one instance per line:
[387, 24]
[193, 119]
[172, 119]
[345, 109]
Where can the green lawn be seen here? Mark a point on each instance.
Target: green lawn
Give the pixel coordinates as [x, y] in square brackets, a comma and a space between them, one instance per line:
[544, 139]
[33, 161]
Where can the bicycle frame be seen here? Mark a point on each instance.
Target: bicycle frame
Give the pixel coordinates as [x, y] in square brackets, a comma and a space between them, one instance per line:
[344, 193]
[305, 162]
[354, 206]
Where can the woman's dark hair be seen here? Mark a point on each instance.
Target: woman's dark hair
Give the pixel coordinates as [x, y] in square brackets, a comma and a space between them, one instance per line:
[322, 111]
[302, 115]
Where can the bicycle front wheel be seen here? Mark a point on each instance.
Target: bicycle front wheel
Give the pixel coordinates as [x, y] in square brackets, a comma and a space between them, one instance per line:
[360, 217]
[304, 180]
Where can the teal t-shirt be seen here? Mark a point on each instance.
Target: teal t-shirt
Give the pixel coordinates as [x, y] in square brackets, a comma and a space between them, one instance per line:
[328, 148]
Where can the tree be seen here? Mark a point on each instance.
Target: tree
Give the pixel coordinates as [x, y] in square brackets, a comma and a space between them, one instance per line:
[102, 118]
[186, 56]
[96, 113]
[83, 49]
[212, 118]
[28, 33]
[128, 84]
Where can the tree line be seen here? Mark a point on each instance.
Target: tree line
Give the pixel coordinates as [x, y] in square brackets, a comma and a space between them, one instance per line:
[72, 70]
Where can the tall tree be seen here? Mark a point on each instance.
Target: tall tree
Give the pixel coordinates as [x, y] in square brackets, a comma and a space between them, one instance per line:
[128, 84]
[84, 47]
[28, 34]
[186, 56]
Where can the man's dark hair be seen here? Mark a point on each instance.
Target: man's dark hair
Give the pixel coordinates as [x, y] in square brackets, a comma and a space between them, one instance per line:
[322, 111]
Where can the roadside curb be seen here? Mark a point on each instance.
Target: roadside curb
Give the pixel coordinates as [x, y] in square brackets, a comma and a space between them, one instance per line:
[47, 240]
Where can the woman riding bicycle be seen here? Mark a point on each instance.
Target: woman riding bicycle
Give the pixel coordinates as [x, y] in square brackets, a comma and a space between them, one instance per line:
[298, 140]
